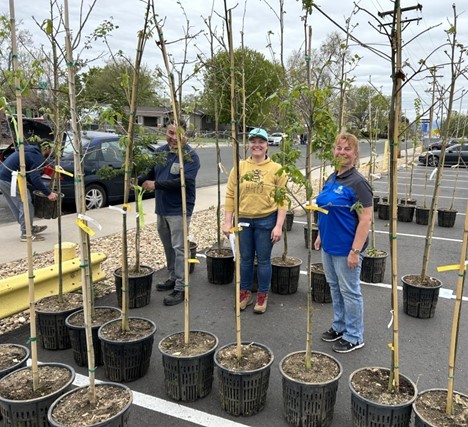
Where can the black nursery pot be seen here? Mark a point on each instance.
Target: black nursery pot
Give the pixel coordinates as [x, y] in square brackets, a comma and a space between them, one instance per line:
[420, 301]
[243, 393]
[32, 412]
[289, 220]
[285, 278]
[366, 413]
[127, 360]
[20, 363]
[373, 268]
[405, 212]
[446, 217]
[315, 233]
[53, 333]
[383, 209]
[320, 288]
[139, 287]
[220, 267]
[78, 337]
[422, 215]
[188, 378]
[376, 200]
[43, 207]
[309, 404]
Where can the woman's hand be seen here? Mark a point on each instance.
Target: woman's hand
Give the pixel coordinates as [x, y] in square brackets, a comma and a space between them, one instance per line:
[276, 234]
[226, 229]
[318, 243]
[353, 260]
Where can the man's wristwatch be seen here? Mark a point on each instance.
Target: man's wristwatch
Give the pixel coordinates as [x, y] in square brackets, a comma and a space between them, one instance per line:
[356, 251]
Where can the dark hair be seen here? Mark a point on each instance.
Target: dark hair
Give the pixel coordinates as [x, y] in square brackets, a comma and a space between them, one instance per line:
[182, 123]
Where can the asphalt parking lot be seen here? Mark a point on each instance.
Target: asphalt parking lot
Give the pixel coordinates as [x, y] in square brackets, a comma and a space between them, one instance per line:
[423, 342]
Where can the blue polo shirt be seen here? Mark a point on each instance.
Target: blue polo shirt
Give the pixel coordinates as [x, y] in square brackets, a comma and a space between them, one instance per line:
[339, 194]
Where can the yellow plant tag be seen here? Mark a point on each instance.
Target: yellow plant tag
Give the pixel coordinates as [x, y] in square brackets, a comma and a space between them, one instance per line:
[126, 205]
[316, 208]
[449, 267]
[193, 261]
[20, 186]
[84, 227]
[390, 346]
[61, 170]
[233, 229]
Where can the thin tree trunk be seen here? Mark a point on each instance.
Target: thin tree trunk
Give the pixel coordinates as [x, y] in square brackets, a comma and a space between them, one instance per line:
[24, 197]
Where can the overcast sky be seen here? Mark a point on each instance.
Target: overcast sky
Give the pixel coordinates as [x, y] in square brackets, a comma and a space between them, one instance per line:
[255, 18]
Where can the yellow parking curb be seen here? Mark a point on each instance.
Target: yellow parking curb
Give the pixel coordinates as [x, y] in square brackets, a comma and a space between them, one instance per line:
[14, 293]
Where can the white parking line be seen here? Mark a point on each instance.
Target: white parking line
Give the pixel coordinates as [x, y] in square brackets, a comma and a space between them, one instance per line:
[170, 408]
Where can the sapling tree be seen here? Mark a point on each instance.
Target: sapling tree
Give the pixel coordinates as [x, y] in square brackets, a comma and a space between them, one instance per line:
[175, 91]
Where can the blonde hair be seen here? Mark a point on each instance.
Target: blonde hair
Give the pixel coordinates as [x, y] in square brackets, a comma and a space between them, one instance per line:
[352, 142]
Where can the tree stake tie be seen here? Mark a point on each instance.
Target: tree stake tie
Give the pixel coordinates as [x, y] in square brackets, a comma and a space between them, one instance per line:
[391, 320]
[80, 221]
[13, 183]
[116, 208]
[432, 174]
[61, 170]
[451, 267]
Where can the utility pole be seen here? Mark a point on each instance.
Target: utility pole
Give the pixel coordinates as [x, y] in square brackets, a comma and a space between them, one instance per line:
[395, 114]
[431, 110]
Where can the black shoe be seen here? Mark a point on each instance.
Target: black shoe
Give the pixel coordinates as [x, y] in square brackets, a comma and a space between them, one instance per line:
[36, 229]
[331, 335]
[174, 298]
[343, 346]
[168, 285]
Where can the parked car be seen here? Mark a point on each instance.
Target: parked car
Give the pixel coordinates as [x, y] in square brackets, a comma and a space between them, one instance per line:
[437, 145]
[100, 149]
[456, 154]
[276, 138]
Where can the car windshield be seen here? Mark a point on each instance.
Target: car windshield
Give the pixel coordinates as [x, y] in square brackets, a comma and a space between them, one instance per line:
[68, 149]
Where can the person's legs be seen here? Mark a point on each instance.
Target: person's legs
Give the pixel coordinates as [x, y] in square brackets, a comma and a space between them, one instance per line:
[247, 253]
[164, 232]
[16, 205]
[338, 324]
[263, 247]
[177, 242]
[12, 202]
[350, 289]
[21, 213]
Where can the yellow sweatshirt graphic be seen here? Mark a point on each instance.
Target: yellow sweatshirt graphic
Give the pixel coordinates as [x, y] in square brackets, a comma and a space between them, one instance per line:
[256, 195]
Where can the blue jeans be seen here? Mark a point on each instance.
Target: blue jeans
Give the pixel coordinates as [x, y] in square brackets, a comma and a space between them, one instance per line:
[255, 240]
[16, 205]
[348, 304]
[171, 233]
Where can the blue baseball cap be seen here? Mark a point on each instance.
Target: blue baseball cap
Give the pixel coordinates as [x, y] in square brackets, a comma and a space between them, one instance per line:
[258, 133]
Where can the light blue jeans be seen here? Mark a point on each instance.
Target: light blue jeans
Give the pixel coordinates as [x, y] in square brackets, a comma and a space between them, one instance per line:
[255, 240]
[171, 233]
[348, 304]
[16, 205]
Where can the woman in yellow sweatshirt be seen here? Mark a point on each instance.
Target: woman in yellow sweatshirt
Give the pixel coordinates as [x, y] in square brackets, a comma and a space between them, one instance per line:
[260, 217]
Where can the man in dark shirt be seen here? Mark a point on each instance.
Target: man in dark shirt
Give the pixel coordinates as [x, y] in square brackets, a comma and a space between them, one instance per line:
[34, 164]
[165, 180]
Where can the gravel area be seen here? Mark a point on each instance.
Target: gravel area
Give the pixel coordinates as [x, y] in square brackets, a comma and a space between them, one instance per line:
[151, 253]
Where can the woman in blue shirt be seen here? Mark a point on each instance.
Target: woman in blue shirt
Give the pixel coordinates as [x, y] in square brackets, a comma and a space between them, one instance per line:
[343, 234]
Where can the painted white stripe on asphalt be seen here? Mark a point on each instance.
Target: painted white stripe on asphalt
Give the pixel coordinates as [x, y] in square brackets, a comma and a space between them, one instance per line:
[420, 236]
[170, 408]
[443, 292]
